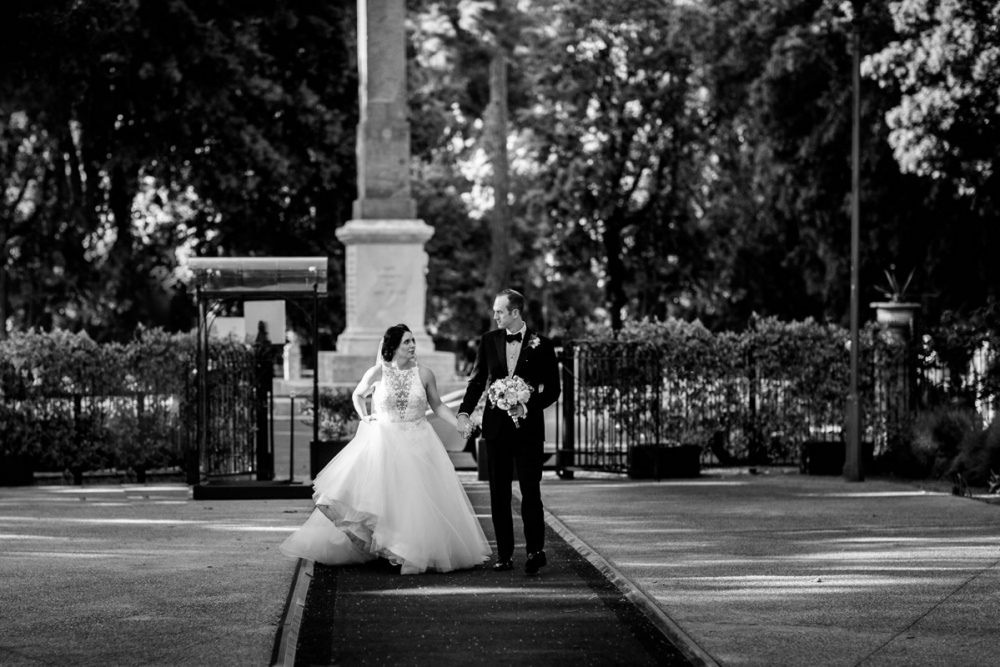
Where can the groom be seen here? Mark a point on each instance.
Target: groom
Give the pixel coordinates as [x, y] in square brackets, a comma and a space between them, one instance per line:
[514, 349]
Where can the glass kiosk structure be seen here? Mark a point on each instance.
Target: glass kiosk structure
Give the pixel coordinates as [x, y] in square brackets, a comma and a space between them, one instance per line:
[217, 280]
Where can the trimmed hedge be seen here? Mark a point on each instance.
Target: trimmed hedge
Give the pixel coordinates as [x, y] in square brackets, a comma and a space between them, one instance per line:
[68, 403]
[758, 395]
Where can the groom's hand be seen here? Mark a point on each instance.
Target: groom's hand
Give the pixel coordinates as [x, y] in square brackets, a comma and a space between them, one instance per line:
[518, 411]
[465, 425]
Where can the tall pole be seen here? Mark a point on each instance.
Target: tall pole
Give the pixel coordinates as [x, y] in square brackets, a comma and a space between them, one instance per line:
[853, 469]
[315, 361]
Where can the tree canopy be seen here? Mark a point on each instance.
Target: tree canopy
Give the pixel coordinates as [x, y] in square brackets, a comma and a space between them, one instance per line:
[216, 128]
[667, 157]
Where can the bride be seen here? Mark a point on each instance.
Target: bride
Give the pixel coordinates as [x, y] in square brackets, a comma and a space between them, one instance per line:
[392, 492]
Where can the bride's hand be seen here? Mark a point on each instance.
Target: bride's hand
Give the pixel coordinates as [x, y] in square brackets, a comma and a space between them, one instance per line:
[369, 418]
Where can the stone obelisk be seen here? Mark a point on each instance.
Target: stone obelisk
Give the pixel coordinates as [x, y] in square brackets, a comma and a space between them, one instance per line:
[386, 261]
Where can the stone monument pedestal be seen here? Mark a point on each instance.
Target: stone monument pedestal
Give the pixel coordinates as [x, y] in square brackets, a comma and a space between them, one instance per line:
[386, 267]
[386, 264]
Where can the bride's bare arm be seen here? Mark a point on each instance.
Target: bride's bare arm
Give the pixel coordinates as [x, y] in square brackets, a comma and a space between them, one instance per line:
[434, 397]
[365, 387]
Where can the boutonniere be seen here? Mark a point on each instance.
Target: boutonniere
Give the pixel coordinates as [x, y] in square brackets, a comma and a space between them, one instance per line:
[533, 341]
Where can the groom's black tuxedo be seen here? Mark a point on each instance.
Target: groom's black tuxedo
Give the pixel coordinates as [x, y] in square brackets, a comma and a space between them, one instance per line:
[509, 446]
[536, 365]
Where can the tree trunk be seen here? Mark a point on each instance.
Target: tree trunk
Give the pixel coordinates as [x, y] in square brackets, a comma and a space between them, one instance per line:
[615, 284]
[500, 222]
[4, 235]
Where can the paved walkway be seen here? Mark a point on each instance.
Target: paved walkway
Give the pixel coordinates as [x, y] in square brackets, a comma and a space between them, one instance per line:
[774, 569]
[568, 615]
[792, 570]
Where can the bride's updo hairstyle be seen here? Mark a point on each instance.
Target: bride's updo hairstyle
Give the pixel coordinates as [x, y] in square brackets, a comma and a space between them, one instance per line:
[391, 339]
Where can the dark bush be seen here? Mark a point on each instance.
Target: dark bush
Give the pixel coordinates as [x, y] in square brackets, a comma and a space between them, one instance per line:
[935, 441]
[71, 404]
[978, 456]
[337, 417]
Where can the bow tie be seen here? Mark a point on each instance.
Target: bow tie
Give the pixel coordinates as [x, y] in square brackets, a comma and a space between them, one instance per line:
[511, 338]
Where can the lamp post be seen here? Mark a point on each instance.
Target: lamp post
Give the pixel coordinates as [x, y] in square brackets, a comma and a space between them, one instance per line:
[853, 469]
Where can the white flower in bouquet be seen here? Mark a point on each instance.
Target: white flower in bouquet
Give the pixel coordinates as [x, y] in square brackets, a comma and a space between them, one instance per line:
[507, 393]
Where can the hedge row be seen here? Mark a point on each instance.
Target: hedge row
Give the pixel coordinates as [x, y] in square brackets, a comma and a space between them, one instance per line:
[68, 403]
[767, 389]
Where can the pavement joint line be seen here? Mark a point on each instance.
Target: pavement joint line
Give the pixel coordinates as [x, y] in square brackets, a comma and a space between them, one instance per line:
[288, 639]
[928, 611]
[666, 625]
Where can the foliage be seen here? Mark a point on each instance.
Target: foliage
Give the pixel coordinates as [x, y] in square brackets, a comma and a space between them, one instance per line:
[22, 435]
[767, 386]
[758, 394]
[936, 439]
[978, 456]
[779, 204]
[457, 307]
[943, 118]
[668, 158]
[618, 129]
[781, 130]
[452, 44]
[153, 128]
[69, 403]
[955, 342]
[337, 417]
[946, 65]
[896, 293]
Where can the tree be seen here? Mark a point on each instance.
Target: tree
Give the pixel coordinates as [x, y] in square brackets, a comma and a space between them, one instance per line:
[459, 143]
[619, 131]
[238, 120]
[780, 196]
[943, 69]
[946, 67]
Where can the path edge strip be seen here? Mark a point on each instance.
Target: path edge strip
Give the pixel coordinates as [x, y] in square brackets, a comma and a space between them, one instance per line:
[691, 650]
[287, 641]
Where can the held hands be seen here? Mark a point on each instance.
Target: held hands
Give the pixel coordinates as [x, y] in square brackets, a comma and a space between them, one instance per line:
[369, 419]
[465, 426]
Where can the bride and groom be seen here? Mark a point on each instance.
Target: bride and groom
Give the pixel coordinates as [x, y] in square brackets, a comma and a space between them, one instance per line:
[393, 492]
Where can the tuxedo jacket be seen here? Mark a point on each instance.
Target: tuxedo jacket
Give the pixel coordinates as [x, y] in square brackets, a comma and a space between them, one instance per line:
[536, 365]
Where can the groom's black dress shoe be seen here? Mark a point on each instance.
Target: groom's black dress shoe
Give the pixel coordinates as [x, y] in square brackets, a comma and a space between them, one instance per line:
[503, 564]
[535, 561]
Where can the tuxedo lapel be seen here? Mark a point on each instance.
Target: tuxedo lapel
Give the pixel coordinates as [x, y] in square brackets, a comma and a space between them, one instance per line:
[524, 352]
[501, 346]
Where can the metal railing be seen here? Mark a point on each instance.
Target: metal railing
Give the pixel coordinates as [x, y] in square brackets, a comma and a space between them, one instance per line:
[619, 397]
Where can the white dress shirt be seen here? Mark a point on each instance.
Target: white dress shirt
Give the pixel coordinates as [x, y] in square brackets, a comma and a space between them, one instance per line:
[514, 348]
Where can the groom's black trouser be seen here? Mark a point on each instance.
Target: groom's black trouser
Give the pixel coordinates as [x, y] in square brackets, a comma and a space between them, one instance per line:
[503, 456]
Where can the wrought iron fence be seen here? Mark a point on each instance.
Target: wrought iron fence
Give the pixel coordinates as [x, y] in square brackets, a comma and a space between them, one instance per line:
[230, 411]
[620, 396]
[128, 407]
[138, 424]
[616, 404]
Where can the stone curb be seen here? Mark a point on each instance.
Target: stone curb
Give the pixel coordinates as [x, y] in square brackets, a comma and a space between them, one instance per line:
[287, 639]
[685, 644]
[691, 650]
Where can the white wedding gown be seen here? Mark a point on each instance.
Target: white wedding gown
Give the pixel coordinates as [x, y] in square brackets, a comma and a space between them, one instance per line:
[392, 492]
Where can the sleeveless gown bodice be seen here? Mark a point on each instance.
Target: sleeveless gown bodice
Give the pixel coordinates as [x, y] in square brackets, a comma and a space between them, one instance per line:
[400, 397]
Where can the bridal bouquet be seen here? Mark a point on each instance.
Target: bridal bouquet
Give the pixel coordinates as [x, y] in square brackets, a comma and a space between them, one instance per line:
[506, 393]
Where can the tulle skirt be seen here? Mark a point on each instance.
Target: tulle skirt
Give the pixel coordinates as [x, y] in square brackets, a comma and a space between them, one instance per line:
[392, 492]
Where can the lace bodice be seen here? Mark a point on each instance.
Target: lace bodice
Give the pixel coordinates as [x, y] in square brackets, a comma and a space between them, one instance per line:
[399, 396]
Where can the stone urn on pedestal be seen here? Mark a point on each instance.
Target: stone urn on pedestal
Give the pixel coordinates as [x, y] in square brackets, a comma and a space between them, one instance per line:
[896, 312]
[897, 316]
